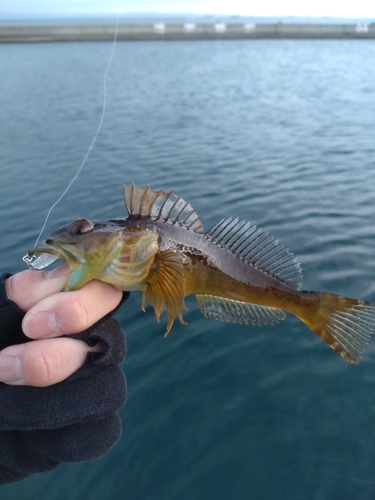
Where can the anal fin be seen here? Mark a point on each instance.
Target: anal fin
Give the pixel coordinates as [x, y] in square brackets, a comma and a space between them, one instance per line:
[234, 311]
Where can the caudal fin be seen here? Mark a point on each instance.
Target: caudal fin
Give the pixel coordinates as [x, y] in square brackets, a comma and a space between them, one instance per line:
[346, 325]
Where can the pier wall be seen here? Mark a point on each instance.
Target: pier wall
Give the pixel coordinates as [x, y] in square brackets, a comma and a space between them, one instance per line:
[187, 31]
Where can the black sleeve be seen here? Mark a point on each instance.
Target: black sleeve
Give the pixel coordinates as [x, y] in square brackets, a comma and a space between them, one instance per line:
[71, 421]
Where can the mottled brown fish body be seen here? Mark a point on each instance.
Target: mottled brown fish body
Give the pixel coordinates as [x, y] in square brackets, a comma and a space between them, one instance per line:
[203, 279]
[237, 272]
[313, 308]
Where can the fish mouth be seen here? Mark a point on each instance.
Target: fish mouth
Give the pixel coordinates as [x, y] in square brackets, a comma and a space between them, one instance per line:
[37, 258]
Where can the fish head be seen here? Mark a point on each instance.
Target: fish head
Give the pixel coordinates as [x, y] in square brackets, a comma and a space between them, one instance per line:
[104, 250]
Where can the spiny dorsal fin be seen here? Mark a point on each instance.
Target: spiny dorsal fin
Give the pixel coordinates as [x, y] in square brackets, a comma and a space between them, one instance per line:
[235, 311]
[257, 247]
[165, 287]
[145, 203]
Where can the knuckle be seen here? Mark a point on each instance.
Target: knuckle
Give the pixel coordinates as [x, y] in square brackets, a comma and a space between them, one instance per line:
[18, 286]
[48, 367]
[11, 287]
[15, 287]
[80, 313]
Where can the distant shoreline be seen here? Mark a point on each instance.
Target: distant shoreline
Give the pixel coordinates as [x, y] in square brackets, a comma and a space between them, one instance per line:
[184, 31]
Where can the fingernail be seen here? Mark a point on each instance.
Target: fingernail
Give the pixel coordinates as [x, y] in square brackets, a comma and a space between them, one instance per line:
[40, 325]
[57, 272]
[10, 369]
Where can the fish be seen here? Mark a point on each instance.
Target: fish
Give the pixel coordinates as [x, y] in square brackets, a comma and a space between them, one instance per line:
[238, 272]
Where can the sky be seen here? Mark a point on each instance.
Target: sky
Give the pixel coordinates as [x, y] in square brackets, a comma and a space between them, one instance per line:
[302, 8]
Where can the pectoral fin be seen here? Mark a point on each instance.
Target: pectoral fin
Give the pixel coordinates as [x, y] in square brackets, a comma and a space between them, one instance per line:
[165, 287]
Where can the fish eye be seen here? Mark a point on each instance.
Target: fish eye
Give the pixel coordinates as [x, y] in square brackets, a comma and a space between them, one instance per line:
[80, 226]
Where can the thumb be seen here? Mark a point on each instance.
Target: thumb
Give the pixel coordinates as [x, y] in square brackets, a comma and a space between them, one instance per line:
[43, 362]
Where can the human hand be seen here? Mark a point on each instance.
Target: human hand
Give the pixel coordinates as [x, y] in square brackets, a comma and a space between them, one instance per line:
[50, 313]
[43, 422]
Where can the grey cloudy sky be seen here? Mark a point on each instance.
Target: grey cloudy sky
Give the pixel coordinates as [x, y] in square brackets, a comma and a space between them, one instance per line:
[334, 8]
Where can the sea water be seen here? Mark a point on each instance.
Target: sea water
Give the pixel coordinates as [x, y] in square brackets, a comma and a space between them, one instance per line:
[278, 132]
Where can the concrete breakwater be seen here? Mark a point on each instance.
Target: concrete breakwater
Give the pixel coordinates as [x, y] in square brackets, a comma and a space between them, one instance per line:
[186, 31]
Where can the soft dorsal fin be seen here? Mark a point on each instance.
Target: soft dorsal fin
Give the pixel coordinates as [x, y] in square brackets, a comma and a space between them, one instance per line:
[258, 248]
[145, 203]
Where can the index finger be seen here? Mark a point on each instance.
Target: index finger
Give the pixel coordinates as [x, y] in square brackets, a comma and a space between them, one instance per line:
[70, 312]
[27, 288]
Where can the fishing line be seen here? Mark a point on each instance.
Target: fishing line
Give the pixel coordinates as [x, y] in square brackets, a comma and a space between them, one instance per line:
[95, 136]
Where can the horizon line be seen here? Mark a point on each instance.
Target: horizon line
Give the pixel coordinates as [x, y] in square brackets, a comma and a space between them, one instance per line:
[177, 14]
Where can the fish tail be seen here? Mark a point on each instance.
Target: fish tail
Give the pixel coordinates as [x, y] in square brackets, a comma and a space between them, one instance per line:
[346, 325]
